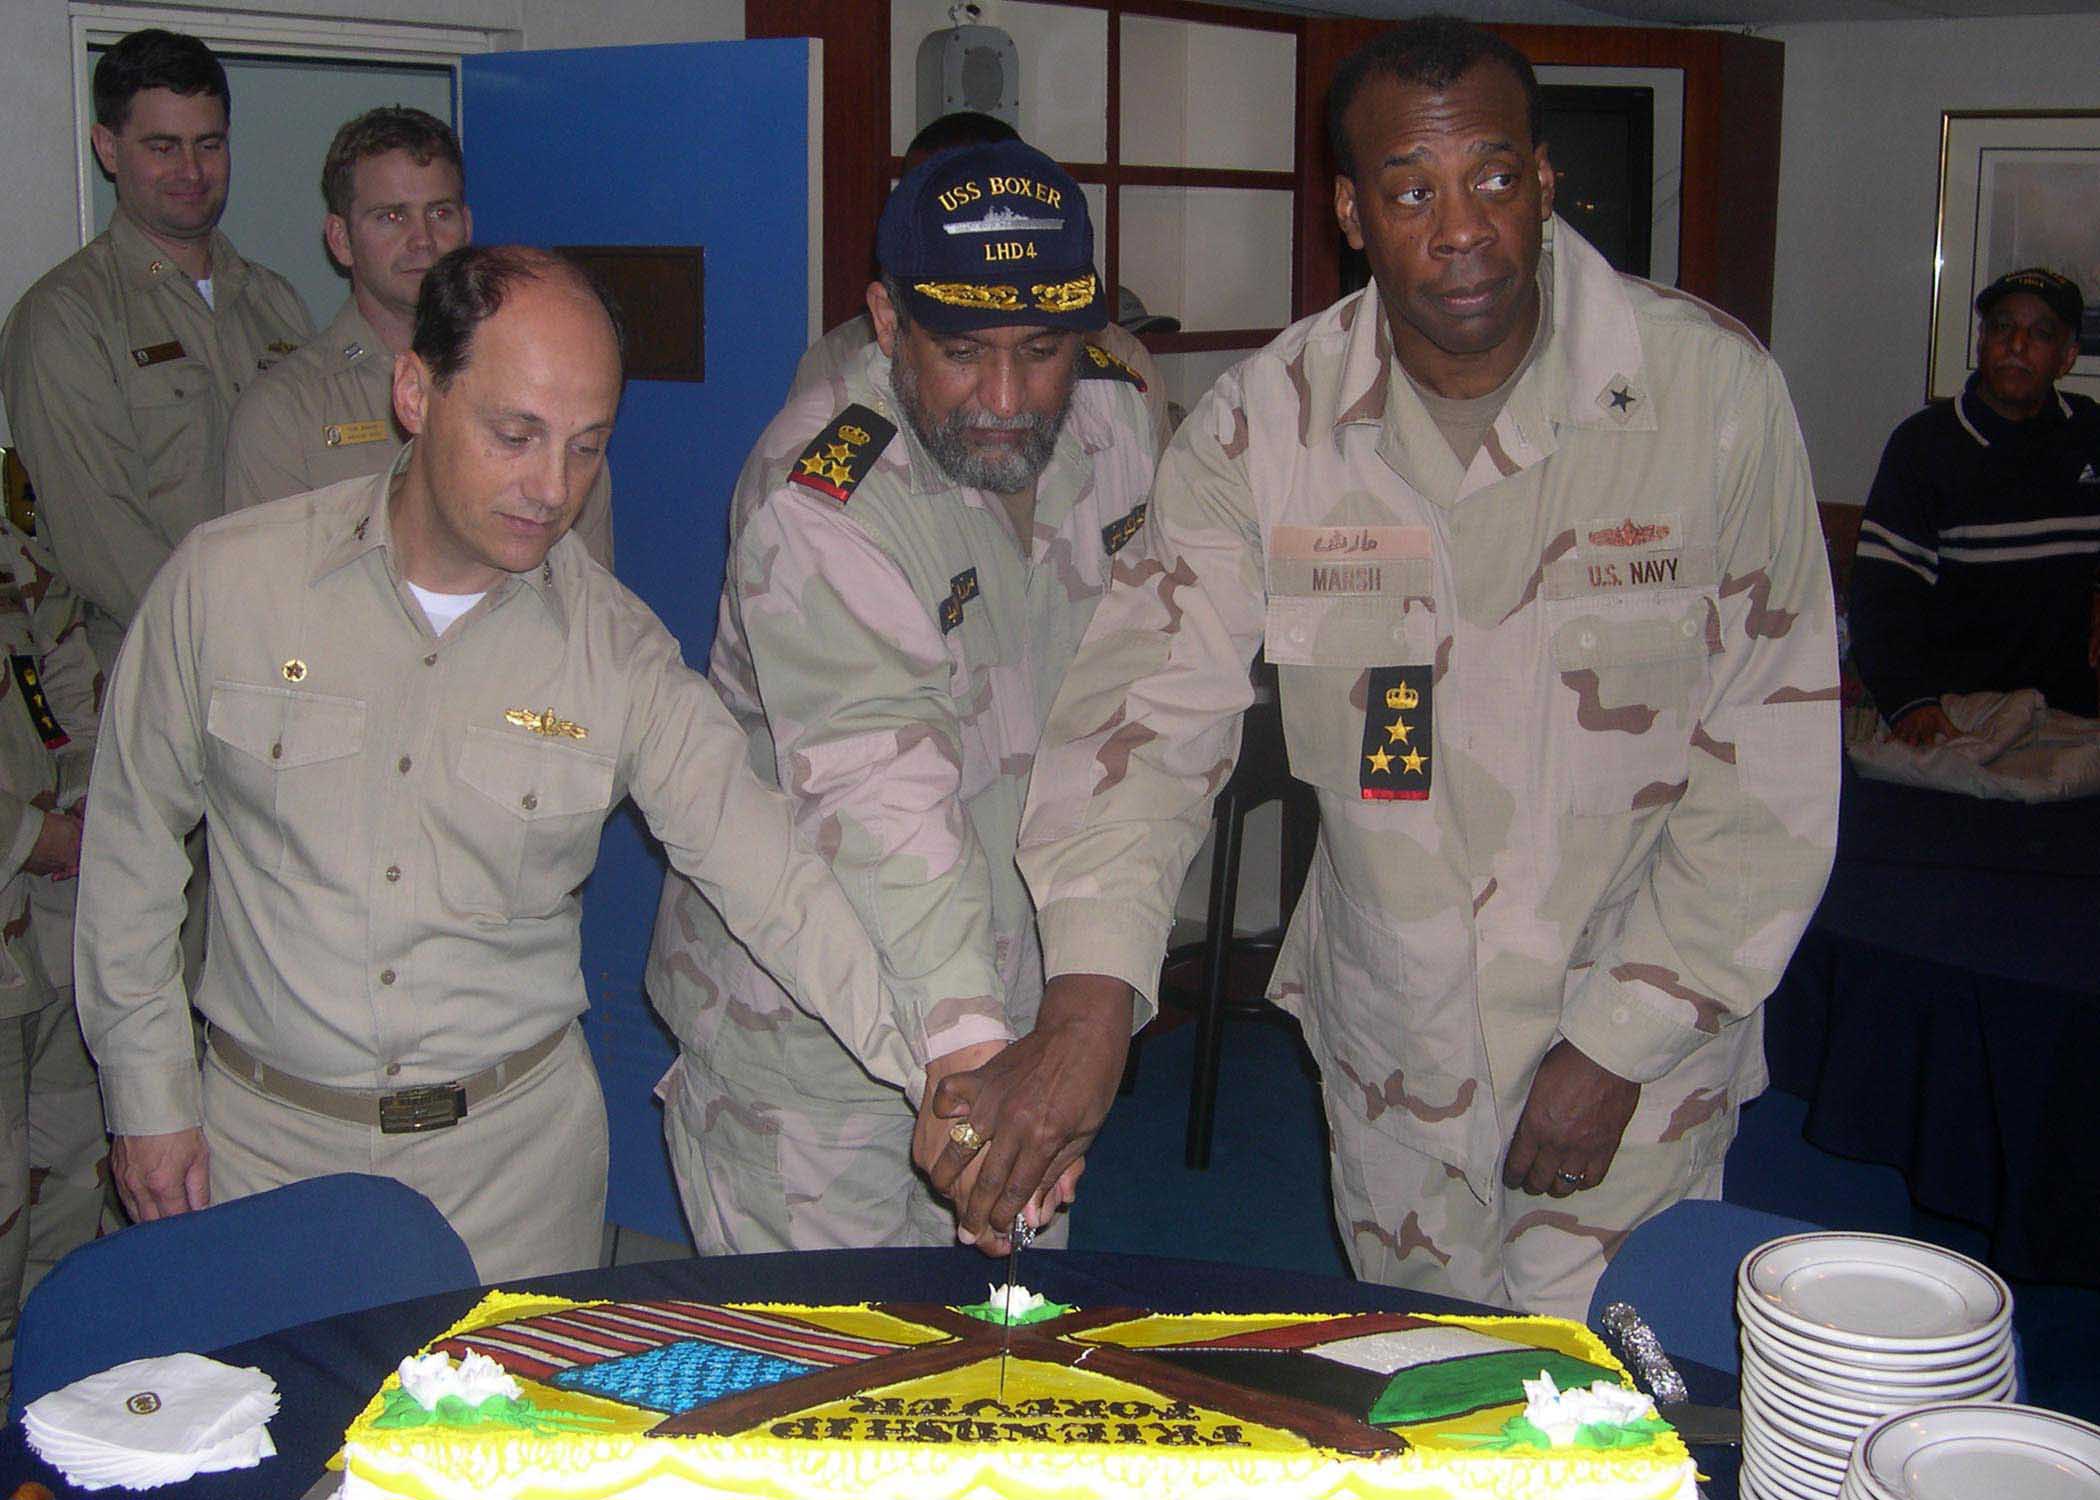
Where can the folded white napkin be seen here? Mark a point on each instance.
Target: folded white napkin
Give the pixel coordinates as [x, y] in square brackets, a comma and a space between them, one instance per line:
[154, 1421]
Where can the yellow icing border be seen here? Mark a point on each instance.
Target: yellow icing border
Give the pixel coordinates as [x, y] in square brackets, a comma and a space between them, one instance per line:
[440, 1464]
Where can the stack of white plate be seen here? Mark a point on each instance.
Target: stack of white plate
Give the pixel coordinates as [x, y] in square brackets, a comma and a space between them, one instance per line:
[1964, 1451]
[1841, 1330]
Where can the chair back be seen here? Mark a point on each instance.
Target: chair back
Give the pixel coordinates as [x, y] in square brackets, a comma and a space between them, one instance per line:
[236, 1270]
[1678, 1271]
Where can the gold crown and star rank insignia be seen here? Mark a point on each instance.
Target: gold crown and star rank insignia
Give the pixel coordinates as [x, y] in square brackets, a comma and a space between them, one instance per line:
[1395, 762]
[1096, 363]
[842, 455]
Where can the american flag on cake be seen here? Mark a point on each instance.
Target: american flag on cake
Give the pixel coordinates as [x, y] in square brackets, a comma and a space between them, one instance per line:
[541, 1346]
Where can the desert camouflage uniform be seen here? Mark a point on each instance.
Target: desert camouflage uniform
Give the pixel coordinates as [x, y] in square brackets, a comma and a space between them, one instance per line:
[54, 1157]
[1572, 717]
[326, 413]
[890, 654]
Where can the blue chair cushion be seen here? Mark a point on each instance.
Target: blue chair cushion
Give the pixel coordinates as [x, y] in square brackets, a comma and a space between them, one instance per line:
[1678, 1269]
[234, 1271]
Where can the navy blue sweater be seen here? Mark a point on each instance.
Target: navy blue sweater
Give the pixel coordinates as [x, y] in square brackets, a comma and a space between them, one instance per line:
[1975, 569]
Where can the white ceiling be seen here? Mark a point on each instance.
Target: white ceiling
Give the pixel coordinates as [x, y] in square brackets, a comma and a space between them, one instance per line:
[1699, 12]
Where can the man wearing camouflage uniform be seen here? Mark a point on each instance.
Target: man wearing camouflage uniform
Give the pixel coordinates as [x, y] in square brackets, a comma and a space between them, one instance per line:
[1534, 550]
[915, 551]
[53, 1155]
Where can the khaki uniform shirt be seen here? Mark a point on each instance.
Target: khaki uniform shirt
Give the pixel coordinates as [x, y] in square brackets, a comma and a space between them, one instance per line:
[50, 695]
[825, 361]
[326, 414]
[890, 654]
[1571, 713]
[119, 379]
[398, 822]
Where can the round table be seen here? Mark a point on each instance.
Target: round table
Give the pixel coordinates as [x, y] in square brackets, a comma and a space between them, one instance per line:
[327, 1370]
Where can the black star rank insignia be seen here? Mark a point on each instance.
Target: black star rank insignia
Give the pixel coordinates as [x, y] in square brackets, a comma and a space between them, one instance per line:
[1116, 535]
[1395, 762]
[962, 588]
[31, 682]
[1622, 398]
[1096, 363]
[841, 455]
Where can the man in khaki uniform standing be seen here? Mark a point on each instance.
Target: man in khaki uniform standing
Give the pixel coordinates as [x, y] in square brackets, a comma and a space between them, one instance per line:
[1534, 550]
[395, 189]
[404, 706]
[53, 1155]
[120, 367]
[915, 552]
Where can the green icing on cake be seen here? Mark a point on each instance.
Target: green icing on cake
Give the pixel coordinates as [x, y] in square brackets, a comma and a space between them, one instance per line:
[1453, 1387]
[993, 1312]
[403, 1410]
[1518, 1432]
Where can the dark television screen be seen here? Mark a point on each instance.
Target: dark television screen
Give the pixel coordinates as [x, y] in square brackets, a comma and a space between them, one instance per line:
[1601, 141]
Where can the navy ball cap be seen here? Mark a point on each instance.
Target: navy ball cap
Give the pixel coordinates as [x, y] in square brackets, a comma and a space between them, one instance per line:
[992, 236]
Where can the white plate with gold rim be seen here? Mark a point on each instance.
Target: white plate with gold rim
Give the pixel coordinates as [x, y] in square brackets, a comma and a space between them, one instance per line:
[1875, 1291]
[1966, 1450]
[1774, 1345]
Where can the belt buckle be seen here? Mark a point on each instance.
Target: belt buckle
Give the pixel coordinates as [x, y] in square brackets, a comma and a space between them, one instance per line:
[434, 1106]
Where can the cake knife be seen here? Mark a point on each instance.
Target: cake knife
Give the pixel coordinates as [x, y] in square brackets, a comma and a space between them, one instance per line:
[1022, 1237]
[1654, 1373]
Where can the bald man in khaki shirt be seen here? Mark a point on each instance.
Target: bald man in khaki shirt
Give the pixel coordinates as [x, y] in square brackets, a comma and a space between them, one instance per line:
[403, 707]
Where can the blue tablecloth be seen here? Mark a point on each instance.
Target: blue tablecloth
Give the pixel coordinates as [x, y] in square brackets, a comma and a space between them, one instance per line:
[1943, 1013]
[326, 1371]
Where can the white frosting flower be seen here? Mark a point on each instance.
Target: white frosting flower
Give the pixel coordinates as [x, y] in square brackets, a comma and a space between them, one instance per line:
[1014, 1301]
[432, 1377]
[1559, 1413]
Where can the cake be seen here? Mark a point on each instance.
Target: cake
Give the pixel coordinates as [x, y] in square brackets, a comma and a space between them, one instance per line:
[539, 1398]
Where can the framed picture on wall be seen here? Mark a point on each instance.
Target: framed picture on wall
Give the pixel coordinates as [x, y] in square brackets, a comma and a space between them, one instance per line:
[2017, 188]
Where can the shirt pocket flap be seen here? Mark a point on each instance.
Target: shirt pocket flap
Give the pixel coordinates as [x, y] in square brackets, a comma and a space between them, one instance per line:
[533, 779]
[282, 727]
[1599, 640]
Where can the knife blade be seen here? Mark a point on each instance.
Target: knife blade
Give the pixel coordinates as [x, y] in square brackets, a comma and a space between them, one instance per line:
[1654, 1373]
[1021, 1237]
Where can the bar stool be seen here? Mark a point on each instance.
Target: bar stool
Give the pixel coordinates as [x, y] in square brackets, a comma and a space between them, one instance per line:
[1261, 776]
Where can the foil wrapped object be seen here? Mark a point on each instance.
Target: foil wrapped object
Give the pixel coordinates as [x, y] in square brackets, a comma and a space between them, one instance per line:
[1643, 1353]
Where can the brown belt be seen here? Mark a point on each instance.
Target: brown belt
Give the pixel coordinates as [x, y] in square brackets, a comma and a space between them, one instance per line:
[402, 1112]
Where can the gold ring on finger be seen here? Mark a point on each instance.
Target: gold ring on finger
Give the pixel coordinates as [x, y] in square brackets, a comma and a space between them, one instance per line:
[965, 1135]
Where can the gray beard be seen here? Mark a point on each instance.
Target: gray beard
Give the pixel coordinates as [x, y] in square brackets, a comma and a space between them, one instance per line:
[1006, 473]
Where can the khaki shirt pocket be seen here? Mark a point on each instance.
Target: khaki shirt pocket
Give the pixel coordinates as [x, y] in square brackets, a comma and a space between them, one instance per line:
[1398, 1020]
[521, 847]
[1632, 673]
[180, 426]
[285, 768]
[1324, 650]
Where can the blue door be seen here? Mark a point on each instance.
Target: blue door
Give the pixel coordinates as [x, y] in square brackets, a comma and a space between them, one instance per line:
[706, 144]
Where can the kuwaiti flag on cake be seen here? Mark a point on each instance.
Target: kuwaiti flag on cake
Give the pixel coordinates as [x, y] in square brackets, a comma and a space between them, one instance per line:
[669, 1356]
[1397, 1368]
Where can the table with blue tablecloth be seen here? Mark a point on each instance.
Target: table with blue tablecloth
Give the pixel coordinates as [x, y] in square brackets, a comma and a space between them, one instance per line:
[1942, 1014]
[328, 1370]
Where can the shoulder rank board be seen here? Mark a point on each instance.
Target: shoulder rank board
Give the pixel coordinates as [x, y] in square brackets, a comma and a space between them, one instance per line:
[843, 453]
[1099, 364]
[31, 682]
[1394, 766]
